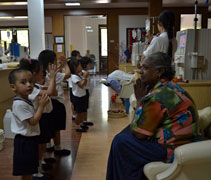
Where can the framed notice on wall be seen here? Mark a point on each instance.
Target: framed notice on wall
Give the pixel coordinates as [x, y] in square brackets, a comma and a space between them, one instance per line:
[59, 39]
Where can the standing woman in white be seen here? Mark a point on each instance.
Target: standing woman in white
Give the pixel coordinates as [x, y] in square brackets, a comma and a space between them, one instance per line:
[163, 42]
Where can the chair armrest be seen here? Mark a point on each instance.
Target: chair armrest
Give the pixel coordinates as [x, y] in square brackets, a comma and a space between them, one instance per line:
[154, 168]
[204, 117]
[127, 89]
[193, 152]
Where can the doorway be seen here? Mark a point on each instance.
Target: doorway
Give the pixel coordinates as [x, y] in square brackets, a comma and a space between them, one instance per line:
[103, 49]
[82, 34]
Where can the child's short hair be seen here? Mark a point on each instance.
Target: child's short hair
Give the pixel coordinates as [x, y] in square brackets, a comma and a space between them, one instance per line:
[73, 65]
[30, 64]
[75, 53]
[84, 61]
[13, 73]
[46, 57]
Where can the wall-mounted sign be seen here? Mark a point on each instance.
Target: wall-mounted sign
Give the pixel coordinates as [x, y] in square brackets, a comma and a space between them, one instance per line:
[59, 39]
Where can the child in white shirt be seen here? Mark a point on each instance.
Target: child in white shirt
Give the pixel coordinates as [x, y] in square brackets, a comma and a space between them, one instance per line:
[45, 58]
[86, 63]
[79, 94]
[25, 124]
[45, 123]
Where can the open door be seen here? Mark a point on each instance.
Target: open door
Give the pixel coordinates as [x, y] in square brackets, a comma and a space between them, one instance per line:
[103, 49]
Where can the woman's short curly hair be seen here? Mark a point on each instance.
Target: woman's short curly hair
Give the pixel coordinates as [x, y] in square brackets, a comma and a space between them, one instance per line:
[163, 61]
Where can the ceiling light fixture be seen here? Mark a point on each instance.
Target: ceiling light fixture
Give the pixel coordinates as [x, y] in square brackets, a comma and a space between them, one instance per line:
[13, 17]
[13, 3]
[20, 17]
[103, 1]
[72, 4]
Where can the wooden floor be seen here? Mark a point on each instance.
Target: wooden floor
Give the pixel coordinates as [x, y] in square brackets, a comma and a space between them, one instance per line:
[90, 150]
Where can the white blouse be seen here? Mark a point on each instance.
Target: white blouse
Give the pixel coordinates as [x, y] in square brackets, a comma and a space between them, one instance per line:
[158, 44]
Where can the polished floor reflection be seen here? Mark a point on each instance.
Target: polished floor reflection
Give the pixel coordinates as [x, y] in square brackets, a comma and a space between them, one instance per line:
[91, 160]
[90, 150]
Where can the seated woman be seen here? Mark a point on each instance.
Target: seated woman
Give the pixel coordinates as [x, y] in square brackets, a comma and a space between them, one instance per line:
[166, 117]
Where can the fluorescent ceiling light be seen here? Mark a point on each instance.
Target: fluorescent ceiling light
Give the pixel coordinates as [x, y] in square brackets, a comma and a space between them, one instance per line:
[6, 17]
[72, 4]
[21, 17]
[13, 17]
[13, 3]
[103, 1]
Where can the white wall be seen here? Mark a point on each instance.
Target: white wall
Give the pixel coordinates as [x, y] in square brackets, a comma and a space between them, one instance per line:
[81, 40]
[75, 34]
[129, 21]
[93, 37]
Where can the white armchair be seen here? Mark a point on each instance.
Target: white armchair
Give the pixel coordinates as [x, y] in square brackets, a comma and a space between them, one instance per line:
[192, 161]
[127, 88]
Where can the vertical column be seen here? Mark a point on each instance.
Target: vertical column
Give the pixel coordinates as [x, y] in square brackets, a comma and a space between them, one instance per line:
[113, 39]
[154, 10]
[36, 27]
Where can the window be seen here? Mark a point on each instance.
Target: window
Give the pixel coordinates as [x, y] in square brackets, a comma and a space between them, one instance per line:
[187, 21]
[22, 37]
[6, 36]
[103, 37]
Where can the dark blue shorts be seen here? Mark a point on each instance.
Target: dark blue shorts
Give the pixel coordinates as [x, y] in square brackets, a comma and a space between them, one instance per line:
[80, 104]
[71, 95]
[46, 128]
[25, 156]
[58, 115]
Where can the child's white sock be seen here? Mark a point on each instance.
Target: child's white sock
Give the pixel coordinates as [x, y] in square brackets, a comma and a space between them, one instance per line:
[42, 161]
[39, 173]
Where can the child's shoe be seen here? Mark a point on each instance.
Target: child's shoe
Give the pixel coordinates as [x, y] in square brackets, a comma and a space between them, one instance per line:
[80, 129]
[88, 123]
[62, 152]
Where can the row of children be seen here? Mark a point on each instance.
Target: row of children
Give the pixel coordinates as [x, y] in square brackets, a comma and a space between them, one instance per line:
[39, 113]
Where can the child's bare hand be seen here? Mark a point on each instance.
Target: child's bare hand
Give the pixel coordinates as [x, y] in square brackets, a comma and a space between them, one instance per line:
[86, 74]
[62, 60]
[43, 100]
[52, 70]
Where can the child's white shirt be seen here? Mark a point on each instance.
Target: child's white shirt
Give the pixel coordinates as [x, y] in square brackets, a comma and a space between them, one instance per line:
[21, 111]
[34, 98]
[88, 81]
[70, 82]
[59, 87]
[77, 91]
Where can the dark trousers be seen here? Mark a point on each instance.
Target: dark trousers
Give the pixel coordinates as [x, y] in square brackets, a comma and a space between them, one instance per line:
[128, 155]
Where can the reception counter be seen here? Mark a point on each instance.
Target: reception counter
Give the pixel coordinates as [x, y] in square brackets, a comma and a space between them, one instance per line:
[6, 94]
[200, 91]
